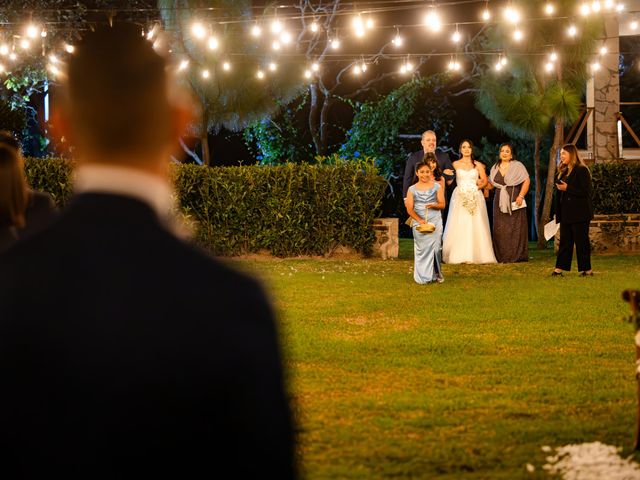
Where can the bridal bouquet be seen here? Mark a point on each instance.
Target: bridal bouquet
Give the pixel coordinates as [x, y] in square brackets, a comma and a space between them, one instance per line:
[469, 195]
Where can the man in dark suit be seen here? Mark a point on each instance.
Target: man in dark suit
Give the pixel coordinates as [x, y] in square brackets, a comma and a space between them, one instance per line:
[429, 143]
[124, 352]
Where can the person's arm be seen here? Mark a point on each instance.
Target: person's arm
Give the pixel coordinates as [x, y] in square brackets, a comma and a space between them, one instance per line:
[580, 184]
[409, 204]
[407, 179]
[482, 181]
[441, 200]
[523, 191]
[447, 168]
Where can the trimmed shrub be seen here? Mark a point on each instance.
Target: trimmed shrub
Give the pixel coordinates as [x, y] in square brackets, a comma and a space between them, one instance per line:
[616, 188]
[287, 210]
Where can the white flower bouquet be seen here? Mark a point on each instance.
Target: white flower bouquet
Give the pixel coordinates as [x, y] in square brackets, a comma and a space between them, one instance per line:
[468, 193]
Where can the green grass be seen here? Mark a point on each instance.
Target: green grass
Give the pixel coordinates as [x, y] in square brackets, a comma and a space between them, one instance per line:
[467, 379]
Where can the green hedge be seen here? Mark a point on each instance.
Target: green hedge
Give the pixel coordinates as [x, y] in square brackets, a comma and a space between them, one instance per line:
[287, 210]
[616, 188]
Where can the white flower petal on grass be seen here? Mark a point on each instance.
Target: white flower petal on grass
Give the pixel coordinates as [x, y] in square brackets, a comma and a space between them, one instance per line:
[591, 461]
[530, 468]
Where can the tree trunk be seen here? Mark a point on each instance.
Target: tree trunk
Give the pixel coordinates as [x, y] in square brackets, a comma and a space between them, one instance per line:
[537, 200]
[558, 139]
[324, 115]
[204, 144]
[313, 118]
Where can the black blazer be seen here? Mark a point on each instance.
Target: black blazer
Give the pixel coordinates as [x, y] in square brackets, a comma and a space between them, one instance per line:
[574, 205]
[125, 353]
[40, 212]
[409, 178]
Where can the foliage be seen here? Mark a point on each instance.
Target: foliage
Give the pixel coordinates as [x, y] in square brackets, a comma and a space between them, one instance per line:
[286, 210]
[616, 188]
[392, 380]
[12, 120]
[52, 175]
[279, 139]
[408, 109]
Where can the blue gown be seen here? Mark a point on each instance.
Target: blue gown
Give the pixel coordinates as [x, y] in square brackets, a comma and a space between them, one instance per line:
[427, 246]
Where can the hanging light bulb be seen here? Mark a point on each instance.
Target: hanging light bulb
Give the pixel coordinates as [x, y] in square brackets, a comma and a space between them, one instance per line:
[512, 15]
[285, 38]
[572, 31]
[53, 59]
[595, 66]
[553, 57]
[456, 37]
[273, 67]
[503, 61]
[275, 45]
[24, 44]
[198, 30]
[549, 67]
[13, 57]
[608, 4]
[335, 43]
[403, 68]
[260, 74]
[595, 6]
[276, 26]
[2, 69]
[432, 20]
[314, 26]
[69, 48]
[356, 70]
[206, 74]
[585, 9]
[549, 9]
[518, 35]
[363, 67]
[183, 65]
[498, 66]
[603, 50]
[397, 41]
[486, 15]
[213, 43]
[315, 67]
[634, 25]
[226, 66]
[307, 74]
[4, 49]
[619, 7]
[32, 31]
[256, 31]
[370, 23]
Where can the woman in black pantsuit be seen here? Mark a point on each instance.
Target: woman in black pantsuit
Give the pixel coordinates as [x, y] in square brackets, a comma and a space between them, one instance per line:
[574, 211]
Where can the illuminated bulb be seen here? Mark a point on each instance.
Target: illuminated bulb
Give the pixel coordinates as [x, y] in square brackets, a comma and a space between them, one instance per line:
[503, 61]
[275, 45]
[456, 37]
[452, 65]
[553, 57]
[356, 70]
[486, 14]
[335, 43]
[198, 30]
[226, 66]
[285, 38]
[498, 66]
[273, 67]
[53, 58]
[595, 66]
[363, 67]
[634, 25]
[307, 74]
[256, 31]
[603, 50]
[517, 35]
[595, 6]
[213, 43]
[183, 65]
[370, 23]
[549, 67]
[572, 31]
[4, 49]
[432, 20]
[24, 44]
[150, 34]
[397, 41]
[32, 31]
[549, 9]
[357, 23]
[53, 69]
[314, 26]
[620, 7]
[315, 67]
[260, 74]
[205, 74]
[512, 15]
[608, 4]
[585, 9]
[43, 33]
[403, 69]
[409, 66]
[360, 32]
[13, 56]
[276, 26]
[69, 48]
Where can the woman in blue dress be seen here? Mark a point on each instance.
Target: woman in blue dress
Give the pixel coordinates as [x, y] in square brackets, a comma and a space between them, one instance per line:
[424, 201]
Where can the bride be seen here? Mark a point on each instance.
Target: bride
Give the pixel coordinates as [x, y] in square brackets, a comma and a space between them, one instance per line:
[467, 238]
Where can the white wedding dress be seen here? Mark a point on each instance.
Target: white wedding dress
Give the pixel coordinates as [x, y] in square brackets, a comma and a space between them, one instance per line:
[467, 238]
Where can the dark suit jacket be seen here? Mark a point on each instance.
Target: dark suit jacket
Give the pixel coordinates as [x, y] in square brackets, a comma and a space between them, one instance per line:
[40, 212]
[8, 236]
[574, 204]
[125, 353]
[409, 178]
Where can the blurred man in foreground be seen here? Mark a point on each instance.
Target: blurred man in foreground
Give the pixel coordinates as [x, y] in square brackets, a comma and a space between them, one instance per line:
[125, 353]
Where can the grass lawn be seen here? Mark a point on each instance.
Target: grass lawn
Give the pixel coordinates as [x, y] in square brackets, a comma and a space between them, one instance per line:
[467, 379]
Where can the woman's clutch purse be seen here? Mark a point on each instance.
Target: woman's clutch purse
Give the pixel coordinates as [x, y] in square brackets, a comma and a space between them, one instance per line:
[515, 206]
[426, 228]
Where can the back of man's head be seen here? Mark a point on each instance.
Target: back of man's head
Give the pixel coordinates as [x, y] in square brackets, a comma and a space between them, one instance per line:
[117, 98]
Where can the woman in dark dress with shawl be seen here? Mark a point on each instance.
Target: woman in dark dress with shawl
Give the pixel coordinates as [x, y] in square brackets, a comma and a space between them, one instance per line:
[511, 180]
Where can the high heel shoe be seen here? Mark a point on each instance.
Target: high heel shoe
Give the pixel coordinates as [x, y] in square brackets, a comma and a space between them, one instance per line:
[556, 274]
[586, 274]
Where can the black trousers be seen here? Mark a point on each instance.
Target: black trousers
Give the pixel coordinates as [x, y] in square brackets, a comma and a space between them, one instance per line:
[574, 234]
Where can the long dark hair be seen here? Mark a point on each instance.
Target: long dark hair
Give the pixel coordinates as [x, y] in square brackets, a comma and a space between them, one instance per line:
[513, 152]
[473, 160]
[575, 160]
[431, 161]
[13, 187]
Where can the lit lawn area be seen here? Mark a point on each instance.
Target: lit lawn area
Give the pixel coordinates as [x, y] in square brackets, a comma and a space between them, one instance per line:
[467, 379]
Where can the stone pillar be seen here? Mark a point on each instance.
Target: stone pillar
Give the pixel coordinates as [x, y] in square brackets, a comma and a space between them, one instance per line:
[387, 244]
[606, 97]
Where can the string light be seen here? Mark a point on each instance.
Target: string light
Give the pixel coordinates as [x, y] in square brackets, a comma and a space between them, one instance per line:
[432, 20]
[285, 38]
[32, 31]
[512, 15]
[595, 66]
[226, 66]
[4, 50]
[53, 69]
[53, 58]
[335, 44]
[69, 48]
[603, 50]
[256, 31]
[608, 4]
[486, 14]
[456, 37]
[183, 65]
[275, 45]
[549, 9]
[595, 6]
[314, 26]
[634, 25]
[370, 23]
[260, 74]
[13, 57]
[585, 9]
[572, 31]
[620, 7]
[553, 56]
[307, 74]
[276, 26]
[24, 44]
[549, 67]
[397, 40]
[454, 65]
[273, 67]
[518, 35]
[356, 70]
[363, 67]
[198, 30]
[315, 67]
[206, 74]
[213, 43]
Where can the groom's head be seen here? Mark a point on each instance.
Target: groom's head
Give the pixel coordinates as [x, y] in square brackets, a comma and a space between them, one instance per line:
[429, 141]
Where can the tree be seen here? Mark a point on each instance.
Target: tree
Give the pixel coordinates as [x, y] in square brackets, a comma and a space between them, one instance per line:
[525, 100]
